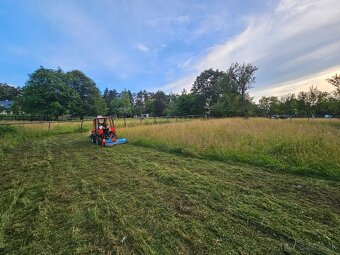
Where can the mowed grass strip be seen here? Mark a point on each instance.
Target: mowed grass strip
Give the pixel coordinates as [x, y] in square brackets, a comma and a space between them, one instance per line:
[62, 195]
[298, 145]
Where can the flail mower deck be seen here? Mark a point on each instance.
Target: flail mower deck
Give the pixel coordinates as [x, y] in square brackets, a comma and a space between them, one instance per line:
[111, 142]
[104, 132]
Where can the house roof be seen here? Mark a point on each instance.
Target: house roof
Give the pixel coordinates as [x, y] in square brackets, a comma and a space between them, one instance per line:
[6, 104]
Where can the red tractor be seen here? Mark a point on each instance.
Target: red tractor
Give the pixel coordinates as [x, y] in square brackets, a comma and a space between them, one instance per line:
[104, 132]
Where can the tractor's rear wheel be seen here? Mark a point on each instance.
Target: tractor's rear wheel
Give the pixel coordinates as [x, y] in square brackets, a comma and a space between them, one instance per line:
[93, 139]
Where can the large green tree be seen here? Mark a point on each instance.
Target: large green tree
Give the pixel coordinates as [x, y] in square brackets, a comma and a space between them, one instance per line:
[313, 99]
[186, 104]
[121, 105]
[91, 103]
[244, 77]
[159, 103]
[223, 87]
[289, 104]
[172, 105]
[333, 106]
[269, 105]
[47, 93]
[206, 89]
[109, 96]
[126, 103]
[229, 104]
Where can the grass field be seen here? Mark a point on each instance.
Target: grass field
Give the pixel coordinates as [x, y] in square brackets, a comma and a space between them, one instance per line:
[166, 193]
[15, 132]
[300, 146]
[62, 126]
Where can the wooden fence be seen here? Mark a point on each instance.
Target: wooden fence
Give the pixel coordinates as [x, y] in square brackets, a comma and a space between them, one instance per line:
[119, 122]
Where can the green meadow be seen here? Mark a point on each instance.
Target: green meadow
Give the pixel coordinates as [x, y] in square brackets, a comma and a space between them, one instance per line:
[218, 186]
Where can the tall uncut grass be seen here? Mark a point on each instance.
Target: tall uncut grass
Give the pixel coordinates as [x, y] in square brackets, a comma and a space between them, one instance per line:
[308, 147]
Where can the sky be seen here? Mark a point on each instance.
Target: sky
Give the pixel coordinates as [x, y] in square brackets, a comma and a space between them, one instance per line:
[165, 45]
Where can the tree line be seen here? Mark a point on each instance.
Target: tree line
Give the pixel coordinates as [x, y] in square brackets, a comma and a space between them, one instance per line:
[304, 104]
[216, 93]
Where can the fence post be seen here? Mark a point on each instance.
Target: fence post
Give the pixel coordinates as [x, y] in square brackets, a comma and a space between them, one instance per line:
[49, 126]
[81, 125]
[124, 122]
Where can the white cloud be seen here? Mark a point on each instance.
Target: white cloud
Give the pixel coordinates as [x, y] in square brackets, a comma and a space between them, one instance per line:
[213, 23]
[293, 6]
[294, 41]
[186, 65]
[142, 47]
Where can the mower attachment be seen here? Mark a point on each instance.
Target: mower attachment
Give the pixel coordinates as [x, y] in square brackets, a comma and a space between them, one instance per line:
[111, 142]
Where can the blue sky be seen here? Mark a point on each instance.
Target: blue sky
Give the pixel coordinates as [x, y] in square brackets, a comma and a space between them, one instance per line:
[165, 44]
